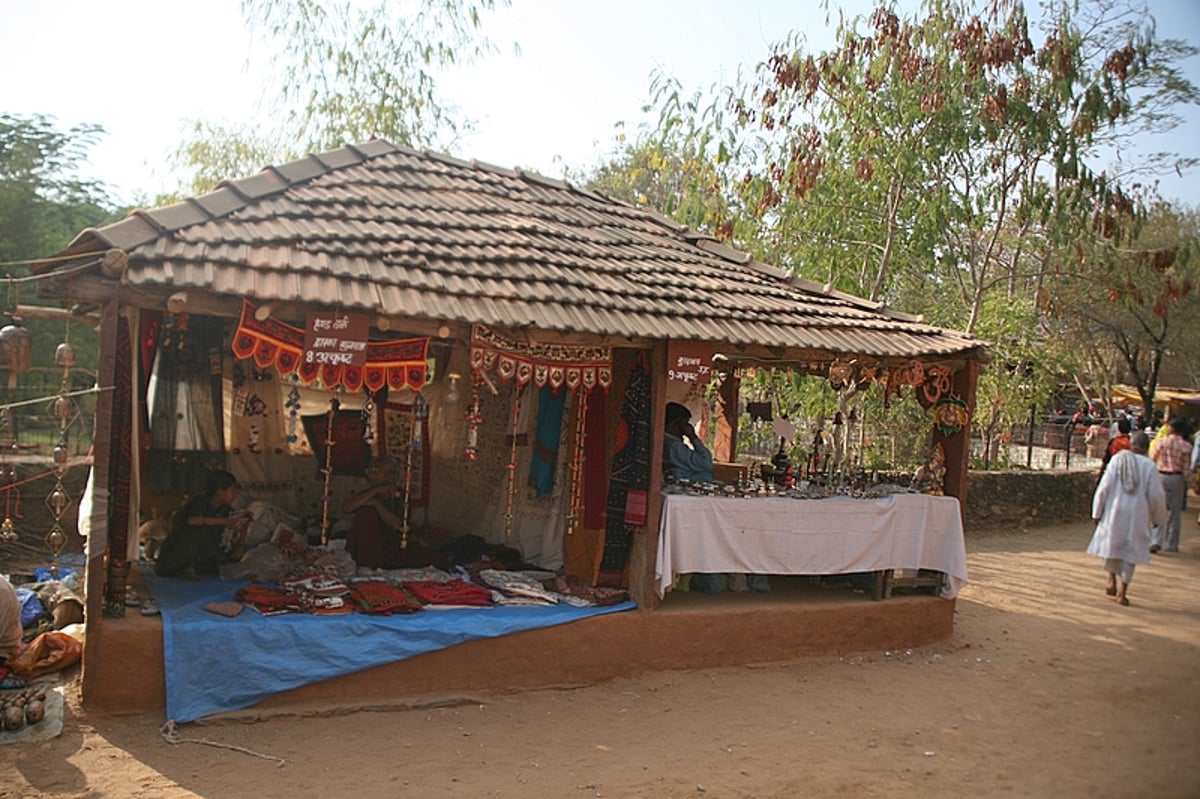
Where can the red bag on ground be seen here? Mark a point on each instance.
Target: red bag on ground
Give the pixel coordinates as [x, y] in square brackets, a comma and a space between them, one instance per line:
[49, 652]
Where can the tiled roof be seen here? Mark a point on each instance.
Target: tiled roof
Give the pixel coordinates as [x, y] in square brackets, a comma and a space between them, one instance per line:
[424, 236]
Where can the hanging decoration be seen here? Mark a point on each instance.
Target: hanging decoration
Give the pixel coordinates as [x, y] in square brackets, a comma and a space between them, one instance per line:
[327, 472]
[58, 499]
[474, 418]
[841, 373]
[293, 422]
[511, 466]
[398, 438]
[368, 414]
[950, 415]
[578, 367]
[936, 385]
[577, 470]
[397, 364]
[414, 448]
[8, 478]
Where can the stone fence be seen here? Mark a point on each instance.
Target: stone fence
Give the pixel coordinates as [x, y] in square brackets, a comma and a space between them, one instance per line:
[1022, 499]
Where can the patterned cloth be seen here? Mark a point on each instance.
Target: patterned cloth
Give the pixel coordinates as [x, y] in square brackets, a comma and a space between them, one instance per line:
[381, 598]
[1173, 455]
[630, 472]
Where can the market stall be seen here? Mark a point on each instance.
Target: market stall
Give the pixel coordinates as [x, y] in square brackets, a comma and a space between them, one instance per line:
[510, 340]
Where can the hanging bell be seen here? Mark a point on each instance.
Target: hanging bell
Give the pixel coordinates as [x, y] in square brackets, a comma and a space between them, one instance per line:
[60, 454]
[65, 355]
[62, 408]
[8, 530]
[58, 501]
[56, 540]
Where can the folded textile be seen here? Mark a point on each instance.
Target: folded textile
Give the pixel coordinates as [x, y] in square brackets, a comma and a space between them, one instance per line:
[268, 601]
[455, 592]
[381, 598]
[514, 584]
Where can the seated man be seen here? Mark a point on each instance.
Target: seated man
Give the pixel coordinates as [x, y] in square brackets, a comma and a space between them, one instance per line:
[685, 455]
[683, 451]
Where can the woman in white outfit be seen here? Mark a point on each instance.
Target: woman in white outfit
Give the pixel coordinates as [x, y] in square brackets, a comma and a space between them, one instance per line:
[1129, 500]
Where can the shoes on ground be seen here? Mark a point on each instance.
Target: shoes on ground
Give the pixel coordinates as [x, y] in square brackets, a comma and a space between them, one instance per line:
[1154, 548]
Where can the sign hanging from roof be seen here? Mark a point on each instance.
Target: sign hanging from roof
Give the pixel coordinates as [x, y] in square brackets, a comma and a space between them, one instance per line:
[577, 367]
[397, 364]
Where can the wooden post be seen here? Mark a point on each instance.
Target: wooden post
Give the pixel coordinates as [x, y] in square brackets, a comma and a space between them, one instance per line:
[96, 547]
[958, 446]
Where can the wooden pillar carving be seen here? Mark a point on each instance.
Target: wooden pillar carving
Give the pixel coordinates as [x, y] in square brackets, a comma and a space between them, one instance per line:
[725, 444]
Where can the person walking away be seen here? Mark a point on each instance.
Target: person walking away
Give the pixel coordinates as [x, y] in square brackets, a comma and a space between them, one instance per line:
[1128, 501]
[1117, 443]
[1173, 457]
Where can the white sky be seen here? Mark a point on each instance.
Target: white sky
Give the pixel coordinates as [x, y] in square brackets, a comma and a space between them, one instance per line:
[143, 68]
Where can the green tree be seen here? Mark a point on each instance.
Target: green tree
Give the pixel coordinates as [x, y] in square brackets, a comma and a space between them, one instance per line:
[344, 73]
[1137, 306]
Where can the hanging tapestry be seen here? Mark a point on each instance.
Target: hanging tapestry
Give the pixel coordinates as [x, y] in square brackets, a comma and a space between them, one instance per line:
[351, 453]
[395, 364]
[396, 438]
[630, 475]
[575, 366]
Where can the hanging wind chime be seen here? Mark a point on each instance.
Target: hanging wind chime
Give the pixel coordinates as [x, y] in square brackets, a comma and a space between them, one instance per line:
[58, 499]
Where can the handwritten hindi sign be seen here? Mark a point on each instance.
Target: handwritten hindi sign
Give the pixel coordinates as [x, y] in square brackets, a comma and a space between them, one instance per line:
[689, 362]
[337, 339]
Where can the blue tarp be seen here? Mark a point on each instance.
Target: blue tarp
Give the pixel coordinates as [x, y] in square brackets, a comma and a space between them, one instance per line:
[215, 664]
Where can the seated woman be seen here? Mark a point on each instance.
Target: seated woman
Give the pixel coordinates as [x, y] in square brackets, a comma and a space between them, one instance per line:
[197, 540]
[374, 539]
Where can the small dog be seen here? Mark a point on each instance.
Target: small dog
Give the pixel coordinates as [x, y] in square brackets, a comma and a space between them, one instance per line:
[153, 532]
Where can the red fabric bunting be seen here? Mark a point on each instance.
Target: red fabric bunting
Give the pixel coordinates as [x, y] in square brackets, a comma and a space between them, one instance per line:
[396, 364]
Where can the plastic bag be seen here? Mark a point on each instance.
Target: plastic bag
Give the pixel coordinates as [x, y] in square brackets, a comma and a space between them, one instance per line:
[49, 652]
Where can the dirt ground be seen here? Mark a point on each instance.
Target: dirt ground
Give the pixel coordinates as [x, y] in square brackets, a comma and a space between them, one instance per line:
[1047, 688]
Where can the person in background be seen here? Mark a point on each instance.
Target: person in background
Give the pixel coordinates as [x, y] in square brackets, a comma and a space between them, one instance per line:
[1173, 457]
[683, 451]
[10, 624]
[376, 538]
[1117, 443]
[1127, 502]
[198, 541]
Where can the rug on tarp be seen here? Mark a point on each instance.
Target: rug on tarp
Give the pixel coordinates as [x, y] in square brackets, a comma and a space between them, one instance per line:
[215, 664]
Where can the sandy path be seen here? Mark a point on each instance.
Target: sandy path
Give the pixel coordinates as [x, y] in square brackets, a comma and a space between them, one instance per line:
[1048, 688]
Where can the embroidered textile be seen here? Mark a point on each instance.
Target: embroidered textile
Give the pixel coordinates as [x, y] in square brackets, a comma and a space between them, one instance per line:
[270, 342]
[396, 436]
[455, 592]
[577, 367]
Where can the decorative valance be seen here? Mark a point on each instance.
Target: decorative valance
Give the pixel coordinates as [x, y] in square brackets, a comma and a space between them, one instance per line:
[269, 342]
[577, 367]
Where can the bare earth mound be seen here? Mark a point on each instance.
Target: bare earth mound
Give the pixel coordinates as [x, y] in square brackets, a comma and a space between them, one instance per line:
[1047, 689]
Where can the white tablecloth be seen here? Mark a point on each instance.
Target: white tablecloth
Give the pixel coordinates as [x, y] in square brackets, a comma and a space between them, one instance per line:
[837, 535]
